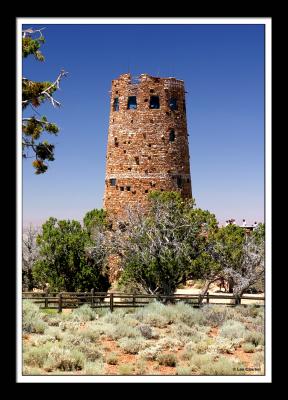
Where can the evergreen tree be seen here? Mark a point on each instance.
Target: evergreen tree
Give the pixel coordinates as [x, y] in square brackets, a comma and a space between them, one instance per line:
[33, 95]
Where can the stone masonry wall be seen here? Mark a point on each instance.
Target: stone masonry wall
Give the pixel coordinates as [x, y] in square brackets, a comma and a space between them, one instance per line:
[141, 153]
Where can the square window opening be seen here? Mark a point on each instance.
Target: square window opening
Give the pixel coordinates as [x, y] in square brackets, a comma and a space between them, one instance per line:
[154, 102]
[132, 103]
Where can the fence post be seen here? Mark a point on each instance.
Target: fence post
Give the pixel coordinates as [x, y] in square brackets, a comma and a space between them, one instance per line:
[60, 303]
[46, 298]
[207, 297]
[111, 301]
[92, 298]
[133, 300]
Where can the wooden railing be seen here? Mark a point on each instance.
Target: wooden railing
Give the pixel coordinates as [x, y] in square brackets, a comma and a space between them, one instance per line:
[70, 300]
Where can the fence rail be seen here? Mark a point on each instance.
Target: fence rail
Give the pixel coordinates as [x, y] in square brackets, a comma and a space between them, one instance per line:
[71, 300]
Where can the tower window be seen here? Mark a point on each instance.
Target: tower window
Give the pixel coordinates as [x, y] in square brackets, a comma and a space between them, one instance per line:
[137, 160]
[172, 135]
[116, 142]
[132, 103]
[146, 191]
[173, 103]
[154, 102]
[128, 188]
[151, 90]
[188, 180]
[122, 188]
[179, 181]
[112, 181]
[116, 104]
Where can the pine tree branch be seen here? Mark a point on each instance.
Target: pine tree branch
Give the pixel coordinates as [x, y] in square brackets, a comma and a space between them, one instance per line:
[56, 84]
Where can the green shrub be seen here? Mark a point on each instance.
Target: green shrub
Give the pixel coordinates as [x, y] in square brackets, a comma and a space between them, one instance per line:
[248, 347]
[169, 343]
[91, 332]
[36, 356]
[223, 366]
[132, 345]
[188, 314]
[32, 370]
[167, 359]
[258, 359]
[93, 368]
[150, 353]
[64, 360]
[84, 313]
[140, 366]
[232, 329]
[32, 321]
[112, 359]
[182, 370]
[90, 351]
[256, 338]
[125, 369]
[214, 315]
[146, 331]
[122, 330]
[54, 332]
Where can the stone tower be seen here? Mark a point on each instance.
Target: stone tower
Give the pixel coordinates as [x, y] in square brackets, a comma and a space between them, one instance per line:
[147, 142]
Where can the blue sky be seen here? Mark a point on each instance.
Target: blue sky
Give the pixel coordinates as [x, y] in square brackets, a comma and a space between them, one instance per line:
[223, 70]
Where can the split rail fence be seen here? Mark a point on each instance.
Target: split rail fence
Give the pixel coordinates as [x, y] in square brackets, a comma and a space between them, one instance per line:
[70, 300]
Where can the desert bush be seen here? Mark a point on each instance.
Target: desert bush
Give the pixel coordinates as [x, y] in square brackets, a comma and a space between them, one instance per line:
[222, 366]
[54, 332]
[70, 340]
[92, 332]
[36, 356]
[256, 338]
[214, 315]
[156, 320]
[53, 321]
[258, 359]
[140, 367]
[69, 326]
[224, 345]
[64, 360]
[248, 348]
[146, 331]
[27, 370]
[232, 329]
[169, 343]
[167, 359]
[189, 315]
[93, 368]
[150, 353]
[84, 313]
[183, 370]
[116, 317]
[132, 345]
[40, 339]
[112, 359]
[125, 369]
[32, 321]
[90, 351]
[122, 330]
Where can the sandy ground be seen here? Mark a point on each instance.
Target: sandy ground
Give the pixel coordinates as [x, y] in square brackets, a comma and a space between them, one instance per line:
[215, 290]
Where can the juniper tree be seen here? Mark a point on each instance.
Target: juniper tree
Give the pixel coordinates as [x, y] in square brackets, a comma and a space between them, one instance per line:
[33, 95]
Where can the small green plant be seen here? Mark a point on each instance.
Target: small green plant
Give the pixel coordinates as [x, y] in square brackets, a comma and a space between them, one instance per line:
[93, 368]
[150, 353]
[122, 330]
[125, 369]
[84, 313]
[112, 359]
[248, 347]
[233, 329]
[140, 366]
[32, 321]
[167, 359]
[36, 356]
[132, 345]
[183, 370]
[256, 338]
[64, 360]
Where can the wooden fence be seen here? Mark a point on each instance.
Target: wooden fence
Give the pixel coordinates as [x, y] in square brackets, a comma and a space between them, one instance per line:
[70, 300]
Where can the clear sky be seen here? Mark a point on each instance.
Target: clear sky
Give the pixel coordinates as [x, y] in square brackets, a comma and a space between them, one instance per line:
[223, 70]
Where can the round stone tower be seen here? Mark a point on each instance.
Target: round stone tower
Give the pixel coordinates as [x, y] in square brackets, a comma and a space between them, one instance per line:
[147, 142]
